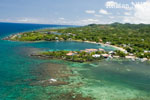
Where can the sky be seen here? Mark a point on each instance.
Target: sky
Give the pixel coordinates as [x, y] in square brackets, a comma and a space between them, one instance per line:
[75, 12]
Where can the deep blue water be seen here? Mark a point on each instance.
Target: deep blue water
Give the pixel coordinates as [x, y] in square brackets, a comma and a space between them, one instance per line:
[9, 28]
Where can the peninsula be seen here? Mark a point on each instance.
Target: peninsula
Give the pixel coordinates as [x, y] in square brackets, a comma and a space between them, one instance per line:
[132, 41]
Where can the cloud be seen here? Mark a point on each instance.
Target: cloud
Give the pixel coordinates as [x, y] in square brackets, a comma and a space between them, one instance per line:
[61, 18]
[28, 20]
[141, 13]
[102, 11]
[90, 11]
[5, 20]
[111, 17]
[90, 21]
[96, 15]
[109, 4]
[25, 20]
[113, 4]
[127, 13]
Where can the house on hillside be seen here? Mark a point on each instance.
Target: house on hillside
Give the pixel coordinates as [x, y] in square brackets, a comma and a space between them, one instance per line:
[108, 43]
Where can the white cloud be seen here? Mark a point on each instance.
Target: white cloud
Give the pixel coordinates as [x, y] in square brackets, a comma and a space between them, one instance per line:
[141, 13]
[22, 20]
[5, 20]
[111, 17]
[90, 11]
[90, 21]
[96, 15]
[61, 18]
[102, 11]
[28, 20]
[113, 4]
[127, 13]
[76, 22]
[109, 4]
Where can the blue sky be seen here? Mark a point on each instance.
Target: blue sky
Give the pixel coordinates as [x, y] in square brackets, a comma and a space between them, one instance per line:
[77, 12]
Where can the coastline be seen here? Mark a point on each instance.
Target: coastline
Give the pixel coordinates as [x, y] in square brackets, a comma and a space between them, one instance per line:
[14, 35]
[119, 48]
[133, 57]
[32, 77]
[99, 43]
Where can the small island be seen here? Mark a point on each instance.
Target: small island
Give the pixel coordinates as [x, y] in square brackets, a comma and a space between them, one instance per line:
[86, 55]
[131, 41]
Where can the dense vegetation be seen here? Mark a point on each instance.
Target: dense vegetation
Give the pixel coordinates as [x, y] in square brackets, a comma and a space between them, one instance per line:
[78, 57]
[134, 38]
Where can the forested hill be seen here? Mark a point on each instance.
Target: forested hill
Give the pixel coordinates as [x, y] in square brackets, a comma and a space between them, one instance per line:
[135, 36]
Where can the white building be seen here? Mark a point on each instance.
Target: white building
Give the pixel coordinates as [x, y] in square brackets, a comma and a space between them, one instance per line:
[109, 43]
[130, 57]
[115, 56]
[105, 55]
[100, 49]
[144, 59]
[96, 56]
[146, 51]
[111, 52]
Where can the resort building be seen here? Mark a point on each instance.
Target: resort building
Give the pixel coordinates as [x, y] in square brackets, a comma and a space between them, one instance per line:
[146, 51]
[131, 54]
[111, 52]
[144, 59]
[130, 57]
[96, 56]
[108, 43]
[56, 38]
[100, 40]
[100, 49]
[116, 56]
[105, 55]
[68, 34]
[71, 54]
[90, 50]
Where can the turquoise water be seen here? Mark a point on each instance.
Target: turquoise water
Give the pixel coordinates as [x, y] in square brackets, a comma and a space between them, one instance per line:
[102, 80]
[66, 45]
[17, 68]
[15, 65]
[116, 80]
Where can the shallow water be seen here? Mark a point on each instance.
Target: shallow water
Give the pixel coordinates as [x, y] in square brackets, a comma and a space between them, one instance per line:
[16, 67]
[21, 75]
[112, 80]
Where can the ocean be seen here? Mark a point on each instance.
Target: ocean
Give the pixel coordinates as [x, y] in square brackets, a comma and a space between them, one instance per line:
[26, 78]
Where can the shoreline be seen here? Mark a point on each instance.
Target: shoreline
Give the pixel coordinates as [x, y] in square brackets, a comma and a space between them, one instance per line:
[99, 43]
[13, 35]
[119, 48]
[12, 38]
